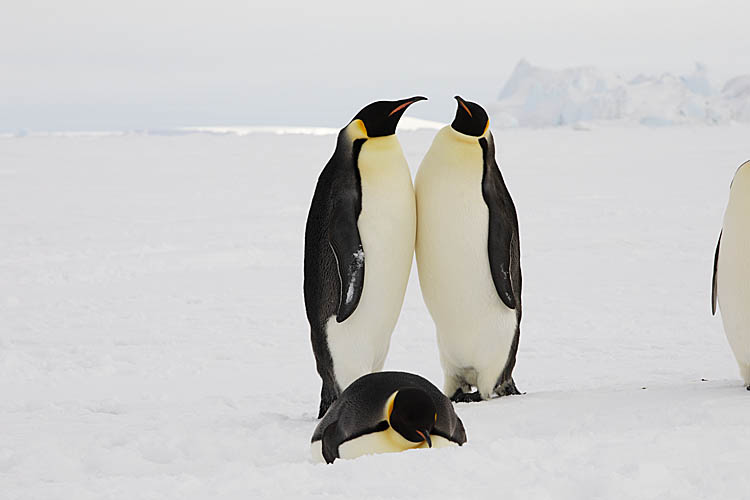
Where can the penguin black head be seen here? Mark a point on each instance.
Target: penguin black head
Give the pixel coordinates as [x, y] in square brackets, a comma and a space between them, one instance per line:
[381, 117]
[471, 118]
[413, 415]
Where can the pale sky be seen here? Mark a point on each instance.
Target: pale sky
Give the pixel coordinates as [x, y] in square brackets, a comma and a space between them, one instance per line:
[105, 65]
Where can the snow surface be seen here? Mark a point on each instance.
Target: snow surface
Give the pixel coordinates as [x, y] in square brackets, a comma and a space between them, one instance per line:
[541, 97]
[153, 341]
[407, 123]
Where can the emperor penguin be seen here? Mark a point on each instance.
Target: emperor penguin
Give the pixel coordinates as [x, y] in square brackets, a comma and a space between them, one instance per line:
[731, 276]
[362, 218]
[386, 412]
[468, 257]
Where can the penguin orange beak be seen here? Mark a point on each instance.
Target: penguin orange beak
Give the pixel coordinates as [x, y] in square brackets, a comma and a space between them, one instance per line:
[426, 436]
[462, 103]
[406, 104]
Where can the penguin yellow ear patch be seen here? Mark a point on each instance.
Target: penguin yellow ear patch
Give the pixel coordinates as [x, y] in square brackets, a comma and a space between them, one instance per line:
[360, 125]
[390, 405]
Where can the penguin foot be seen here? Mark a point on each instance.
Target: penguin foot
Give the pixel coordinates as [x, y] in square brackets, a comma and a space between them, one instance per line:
[507, 388]
[466, 397]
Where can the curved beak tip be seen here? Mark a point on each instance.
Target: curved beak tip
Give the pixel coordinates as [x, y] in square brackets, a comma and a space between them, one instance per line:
[405, 103]
[426, 437]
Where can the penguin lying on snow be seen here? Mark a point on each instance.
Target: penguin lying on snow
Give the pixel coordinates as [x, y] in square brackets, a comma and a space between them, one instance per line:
[362, 217]
[468, 256]
[731, 277]
[386, 412]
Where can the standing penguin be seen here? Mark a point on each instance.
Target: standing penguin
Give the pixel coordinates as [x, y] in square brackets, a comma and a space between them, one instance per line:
[468, 257]
[731, 278]
[386, 412]
[362, 218]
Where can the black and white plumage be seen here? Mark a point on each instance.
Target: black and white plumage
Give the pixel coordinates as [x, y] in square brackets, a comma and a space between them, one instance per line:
[468, 255]
[359, 246]
[386, 412]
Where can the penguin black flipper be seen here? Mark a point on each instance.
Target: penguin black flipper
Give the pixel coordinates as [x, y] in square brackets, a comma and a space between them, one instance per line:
[330, 442]
[347, 247]
[502, 241]
[456, 434]
[713, 279]
[332, 227]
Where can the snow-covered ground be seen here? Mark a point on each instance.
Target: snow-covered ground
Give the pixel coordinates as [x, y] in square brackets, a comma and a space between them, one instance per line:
[153, 342]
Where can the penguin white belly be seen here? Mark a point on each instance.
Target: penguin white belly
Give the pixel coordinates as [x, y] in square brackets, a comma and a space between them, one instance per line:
[387, 441]
[387, 228]
[733, 278]
[475, 330]
[316, 451]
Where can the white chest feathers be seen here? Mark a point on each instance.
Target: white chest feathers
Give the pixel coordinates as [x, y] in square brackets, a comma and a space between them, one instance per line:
[475, 329]
[733, 270]
[387, 228]
[387, 441]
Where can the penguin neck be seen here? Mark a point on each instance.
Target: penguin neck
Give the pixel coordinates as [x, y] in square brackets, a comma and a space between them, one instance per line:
[386, 143]
[356, 130]
[458, 136]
